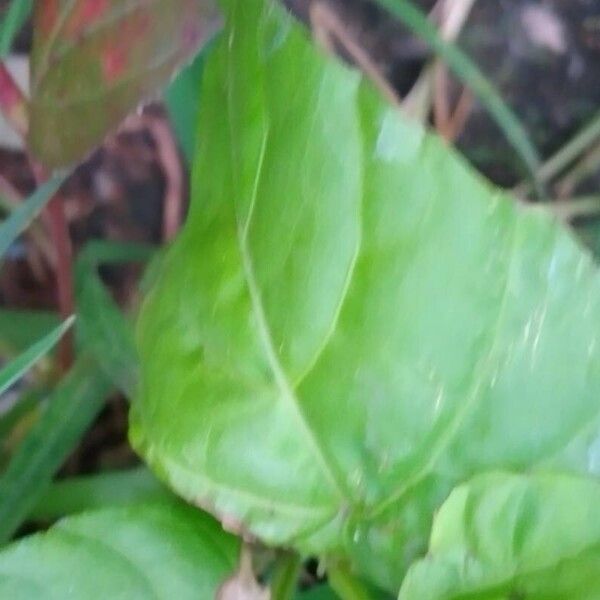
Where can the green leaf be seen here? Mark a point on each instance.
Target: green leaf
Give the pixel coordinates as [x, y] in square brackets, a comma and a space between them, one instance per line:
[182, 100]
[17, 13]
[94, 62]
[105, 332]
[284, 581]
[511, 536]
[473, 77]
[20, 365]
[28, 402]
[161, 551]
[353, 322]
[19, 329]
[70, 410]
[21, 217]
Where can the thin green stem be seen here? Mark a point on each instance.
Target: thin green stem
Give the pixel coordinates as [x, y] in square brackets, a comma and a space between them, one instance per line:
[285, 576]
[71, 408]
[346, 586]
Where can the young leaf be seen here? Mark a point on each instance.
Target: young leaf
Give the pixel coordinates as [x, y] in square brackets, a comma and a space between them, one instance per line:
[20, 365]
[94, 61]
[511, 536]
[353, 322]
[160, 550]
[70, 410]
[21, 217]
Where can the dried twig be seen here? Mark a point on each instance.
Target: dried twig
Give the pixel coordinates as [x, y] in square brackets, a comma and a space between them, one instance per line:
[328, 29]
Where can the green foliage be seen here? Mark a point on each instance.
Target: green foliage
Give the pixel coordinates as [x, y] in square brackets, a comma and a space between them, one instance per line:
[93, 492]
[20, 365]
[21, 217]
[70, 410]
[512, 536]
[12, 21]
[104, 331]
[181, 99]
[22, 328]
[350, 330]
[352, 325]
[322, 592]
[160, 550]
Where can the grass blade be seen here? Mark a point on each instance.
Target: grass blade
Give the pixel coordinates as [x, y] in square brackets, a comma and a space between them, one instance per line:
[28, 402]
[470, 74]
[70, 410]
[105, 332]
[19, 329]
[182, 99]
[285, 577]
[17, 13]
[21, 217]
[15, 369]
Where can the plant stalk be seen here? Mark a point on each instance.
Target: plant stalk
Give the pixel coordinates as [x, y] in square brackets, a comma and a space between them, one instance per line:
[345, 585]
[285, 577]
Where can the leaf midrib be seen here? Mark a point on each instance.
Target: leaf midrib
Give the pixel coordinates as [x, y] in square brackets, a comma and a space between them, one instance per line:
[329, 467]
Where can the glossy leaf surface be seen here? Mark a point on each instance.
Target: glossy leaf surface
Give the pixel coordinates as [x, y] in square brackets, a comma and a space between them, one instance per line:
[94, 61]
[161, 551]
[353, 322]
[505, 536]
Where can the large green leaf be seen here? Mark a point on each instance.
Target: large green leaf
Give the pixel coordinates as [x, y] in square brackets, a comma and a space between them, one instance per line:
[353, 321]
[105, 332]
[508, 536]
[162, 551]
[13, 19]
[94, 61]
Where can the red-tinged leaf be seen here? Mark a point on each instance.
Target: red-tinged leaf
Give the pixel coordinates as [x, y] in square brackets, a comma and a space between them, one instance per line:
[94, 61]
